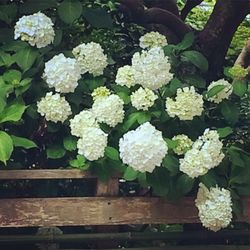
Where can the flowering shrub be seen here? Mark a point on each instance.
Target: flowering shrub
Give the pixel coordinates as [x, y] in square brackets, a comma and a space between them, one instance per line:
[76, 93]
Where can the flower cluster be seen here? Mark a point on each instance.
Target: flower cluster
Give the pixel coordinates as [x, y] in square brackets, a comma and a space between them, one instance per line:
[184, 143]
[143, 149]
[62, 73]
[186, 105]
[151, 68]
[223, 94]
[100, 92]
[92, 143]
[36, 29]
[152, 39]
[54, 107]
[109, 110]
[85, 119]
[91, 58]
[126, 76]
[237, 71]
[143, 99]
[215, 207]
[206, 153]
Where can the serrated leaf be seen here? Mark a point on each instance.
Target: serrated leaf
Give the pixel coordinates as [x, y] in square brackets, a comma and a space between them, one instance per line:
[112, 153]
[79, 162]
[23, 142]
[70, 143]
[12, 76]
[130, 174]
[6, 147]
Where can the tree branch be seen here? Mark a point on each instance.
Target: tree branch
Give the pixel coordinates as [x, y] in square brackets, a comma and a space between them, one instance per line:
[190, 4]
[244, 57]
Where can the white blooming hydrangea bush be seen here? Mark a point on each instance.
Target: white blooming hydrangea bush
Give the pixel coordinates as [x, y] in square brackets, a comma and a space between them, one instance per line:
[114, 100]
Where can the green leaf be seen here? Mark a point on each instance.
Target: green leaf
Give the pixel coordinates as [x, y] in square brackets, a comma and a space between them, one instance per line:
[130, 174]
[215, 90]
[171, 144]
[12, 76]
[143, 117]
[196, 58]
[224, 132]
[187, 41]
[79, 162]
[174, 85]
[230, 112]
[98, 18]
[124, 96]
[195, 80]
[171, 163]
[23, 142]
[209, 179]
[15, 46]
[55, 152]
[112, 153]
[32, 6]
[70, 10]
[243, 190]
[184, 184]
[6, 59]
[13, 112]
[58, 37]
[70, 143]
[239, 87]
[236, 157]
[25, 58]
[6, 147]
[131, 120]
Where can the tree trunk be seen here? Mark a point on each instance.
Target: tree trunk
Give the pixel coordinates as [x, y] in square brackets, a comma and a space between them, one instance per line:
[214, 40]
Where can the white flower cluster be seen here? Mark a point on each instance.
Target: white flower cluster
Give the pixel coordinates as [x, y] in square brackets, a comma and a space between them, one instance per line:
[186, 105]
[143, 149]
[206, 153]
[151, 68]
[224, 93]
[54, 107]
[36, 29]
[184, 143]
[126, 76]
[91, 58]
[215, 207]
[92, 143]
[109, 110]
[100, 92]
[85, 119]
[143, 99]
[62, 73]
[153, 39]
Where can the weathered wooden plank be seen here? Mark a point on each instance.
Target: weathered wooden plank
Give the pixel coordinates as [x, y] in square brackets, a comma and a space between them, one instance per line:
[44, 174]
[94, 211]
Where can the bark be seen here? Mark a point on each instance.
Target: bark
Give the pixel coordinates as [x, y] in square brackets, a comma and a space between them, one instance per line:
[217, 35]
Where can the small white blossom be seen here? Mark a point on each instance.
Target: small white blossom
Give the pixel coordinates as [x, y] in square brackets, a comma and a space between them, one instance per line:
[153, 39]
[224, 93]
[62, 74]
[143, 149]
[54, 107]
[206, 153]
[143, 99]
[85, 119]
[91, 58]
[215, 207]
[92, 143]
[100, 92]
[184, 143]
[186, 105]
[36, 29]
[109, 110]
[126, 76]
[152, 68]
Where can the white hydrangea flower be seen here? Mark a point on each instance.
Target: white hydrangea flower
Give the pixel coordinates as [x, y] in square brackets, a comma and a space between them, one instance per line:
[109, 110]
[54, 107]
[206, 153]
[184, 144]
[126, 76]
[92, 143]
[186, 105]
[36, 29]
[215, 207]
[143, 99]
[85, 119]
[152, 68]
[153, 39]
[224, 93]
[143, 149]
[91, 58]
[62, 73]
[100, 92]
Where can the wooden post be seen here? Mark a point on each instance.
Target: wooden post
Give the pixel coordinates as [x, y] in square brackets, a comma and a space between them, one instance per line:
[106, 189]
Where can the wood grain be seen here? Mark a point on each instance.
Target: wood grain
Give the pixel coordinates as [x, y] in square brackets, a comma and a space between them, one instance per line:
[94, 211]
